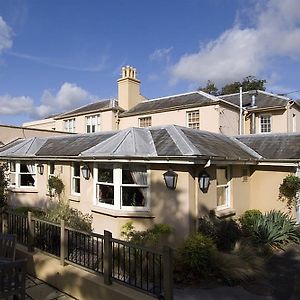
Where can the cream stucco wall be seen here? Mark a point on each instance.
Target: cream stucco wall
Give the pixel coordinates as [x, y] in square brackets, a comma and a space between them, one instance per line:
[251, 187]
[107, 122]
[11, 133]
[47, 124]
[211, 118]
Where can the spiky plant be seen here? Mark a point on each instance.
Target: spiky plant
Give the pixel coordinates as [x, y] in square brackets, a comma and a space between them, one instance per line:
[275, 229]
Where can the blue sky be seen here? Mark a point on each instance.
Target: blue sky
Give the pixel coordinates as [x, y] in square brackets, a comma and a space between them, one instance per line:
[58, 54]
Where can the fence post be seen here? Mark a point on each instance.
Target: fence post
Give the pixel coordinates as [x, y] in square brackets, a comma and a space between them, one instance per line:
[63, 242]
[107, 257]
[168, 273]
[4, 222]
[30, 245]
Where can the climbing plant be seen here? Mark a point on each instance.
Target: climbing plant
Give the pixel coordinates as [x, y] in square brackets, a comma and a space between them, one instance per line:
[288, 190]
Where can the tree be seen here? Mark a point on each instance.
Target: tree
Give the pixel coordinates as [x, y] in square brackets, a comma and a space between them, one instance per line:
[249, 83]
[210, 88]
[3, 185]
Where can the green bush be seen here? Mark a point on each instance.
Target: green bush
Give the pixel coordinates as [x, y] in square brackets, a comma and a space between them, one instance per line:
[150, 237]
[56, 185]
[73, 218]
[248, 219]
[25, 209]
[195, 257]
[275, 229]
[3, 185]
[225, 233]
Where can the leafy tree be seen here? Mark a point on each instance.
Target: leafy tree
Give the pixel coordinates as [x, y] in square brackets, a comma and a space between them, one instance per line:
[210, 88]
[248, 83]
[3, 185]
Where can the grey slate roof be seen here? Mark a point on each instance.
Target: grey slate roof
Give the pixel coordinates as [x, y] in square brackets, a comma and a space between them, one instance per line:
[152, 142]
[89, 108]
[263, 99]
[274, 146]
[193, 99]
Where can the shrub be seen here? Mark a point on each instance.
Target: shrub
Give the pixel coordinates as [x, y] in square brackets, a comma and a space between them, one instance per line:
[275, 229]
[73, 217]
[248, 219]
[151, 236]
[25, 209]
[288, 190]
[3, 185]
[196, 255]
[225, 233]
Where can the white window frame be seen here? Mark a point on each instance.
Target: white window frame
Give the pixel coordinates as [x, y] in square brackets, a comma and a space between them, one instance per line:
[89, 122]
[18, 174]
[117, 184]
[69, 125]
[227, 203]
[49, 169]
[188, 123]
[74, 178]
[144, 119]
[260, 122]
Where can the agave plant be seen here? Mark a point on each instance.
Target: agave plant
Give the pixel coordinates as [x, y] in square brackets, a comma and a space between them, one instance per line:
[275, 229]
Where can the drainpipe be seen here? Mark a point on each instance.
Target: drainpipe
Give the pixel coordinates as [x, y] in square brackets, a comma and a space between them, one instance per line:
[241, 112]
[253, 105]
[298, 197]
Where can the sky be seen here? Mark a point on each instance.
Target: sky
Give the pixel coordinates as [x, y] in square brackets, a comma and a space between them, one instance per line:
[56, 55]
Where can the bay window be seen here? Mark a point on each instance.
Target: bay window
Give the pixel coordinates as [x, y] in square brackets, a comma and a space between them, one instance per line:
[122, 187]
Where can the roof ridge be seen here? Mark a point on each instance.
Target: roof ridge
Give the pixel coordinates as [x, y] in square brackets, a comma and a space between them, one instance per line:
[170, 96]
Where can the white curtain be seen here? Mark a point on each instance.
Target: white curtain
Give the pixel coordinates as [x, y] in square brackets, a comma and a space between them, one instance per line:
[140, 178]
[31, 168]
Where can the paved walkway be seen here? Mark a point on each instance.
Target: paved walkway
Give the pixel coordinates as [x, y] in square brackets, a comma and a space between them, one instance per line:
[39, 290]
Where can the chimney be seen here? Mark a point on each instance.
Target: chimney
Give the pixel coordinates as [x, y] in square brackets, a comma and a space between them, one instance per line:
[128, 88]
[253, 94]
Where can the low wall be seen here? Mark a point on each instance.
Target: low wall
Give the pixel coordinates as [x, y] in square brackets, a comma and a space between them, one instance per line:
[75, 281]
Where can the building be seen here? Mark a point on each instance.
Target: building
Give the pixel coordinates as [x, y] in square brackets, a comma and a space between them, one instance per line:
[262, 112]
[125, 173]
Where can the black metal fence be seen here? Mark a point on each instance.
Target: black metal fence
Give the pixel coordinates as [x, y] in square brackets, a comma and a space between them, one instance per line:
[139, 267]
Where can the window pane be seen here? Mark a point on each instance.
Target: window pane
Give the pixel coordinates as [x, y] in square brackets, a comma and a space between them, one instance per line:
[27, 180]
[105, 175]
[12, 179]
[133, 196]
[76, 185]
[135, 175]
[221, 195]
[105, 193]
[127, 177]
[221, 176]
[76, 167]
[12, 166]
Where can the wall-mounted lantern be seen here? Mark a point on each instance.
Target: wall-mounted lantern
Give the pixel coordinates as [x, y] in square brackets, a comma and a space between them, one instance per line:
[204, 181]
[40, 168]
[85, 171]
[170, 178]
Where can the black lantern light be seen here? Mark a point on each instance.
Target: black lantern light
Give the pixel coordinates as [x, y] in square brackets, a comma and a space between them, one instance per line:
[40, 168]
[170, 178]
[204, 181]
[85, 171]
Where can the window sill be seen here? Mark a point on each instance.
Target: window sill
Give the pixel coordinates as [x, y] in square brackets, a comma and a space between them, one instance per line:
[23, 190]
[74, 198]
[121, 213]
[224, 213]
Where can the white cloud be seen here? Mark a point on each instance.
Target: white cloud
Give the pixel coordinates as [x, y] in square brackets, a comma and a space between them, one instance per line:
[10, 105]
[161, 54]
[239, 52]
[5, 35]
[68, 97]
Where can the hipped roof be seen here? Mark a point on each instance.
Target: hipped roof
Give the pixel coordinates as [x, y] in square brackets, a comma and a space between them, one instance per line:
[153, 142]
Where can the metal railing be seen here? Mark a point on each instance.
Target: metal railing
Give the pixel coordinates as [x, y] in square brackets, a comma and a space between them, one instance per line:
[140, 267]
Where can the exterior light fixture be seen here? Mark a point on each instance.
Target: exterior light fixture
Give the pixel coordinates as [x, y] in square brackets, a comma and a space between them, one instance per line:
[40, 168]
[85, 171]
[204, 181]
[170, 178]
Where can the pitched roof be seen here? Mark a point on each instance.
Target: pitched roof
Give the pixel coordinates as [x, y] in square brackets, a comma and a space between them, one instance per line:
[90, 108]
[193, 99]
[152, 142]
[274, 146]
[263, 99]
